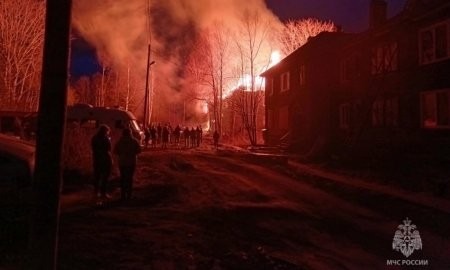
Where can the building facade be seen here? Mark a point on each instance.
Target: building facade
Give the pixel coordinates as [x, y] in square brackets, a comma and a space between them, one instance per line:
[387, 85]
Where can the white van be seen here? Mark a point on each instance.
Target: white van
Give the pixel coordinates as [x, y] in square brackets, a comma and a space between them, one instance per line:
[117, 119]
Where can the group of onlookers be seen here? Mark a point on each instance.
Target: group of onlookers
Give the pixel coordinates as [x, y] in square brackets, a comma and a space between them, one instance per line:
[126, 149]
[163, 135]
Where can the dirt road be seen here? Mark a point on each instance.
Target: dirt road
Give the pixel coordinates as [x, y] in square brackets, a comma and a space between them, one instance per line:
[207, 209]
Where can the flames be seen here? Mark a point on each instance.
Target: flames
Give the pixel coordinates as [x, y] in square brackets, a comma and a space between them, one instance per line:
[120, 48]
[275, 58]
[245, 81]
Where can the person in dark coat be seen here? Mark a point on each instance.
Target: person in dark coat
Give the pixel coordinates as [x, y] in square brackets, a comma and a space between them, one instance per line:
[165, 136]
[127, 149]
[177, 134]
[187, 135]
[147, 136]
[216, 137]
[153, 136]
[102, 158]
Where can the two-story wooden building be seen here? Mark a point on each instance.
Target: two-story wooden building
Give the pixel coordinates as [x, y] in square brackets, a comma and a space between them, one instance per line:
[389, 84]
[299, 92]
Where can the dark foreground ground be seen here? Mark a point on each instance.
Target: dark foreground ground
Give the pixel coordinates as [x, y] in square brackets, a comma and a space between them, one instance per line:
[207, 209]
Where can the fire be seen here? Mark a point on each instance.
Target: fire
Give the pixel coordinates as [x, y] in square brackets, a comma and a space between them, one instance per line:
[275, 58]
[246, 82]
[204, 108]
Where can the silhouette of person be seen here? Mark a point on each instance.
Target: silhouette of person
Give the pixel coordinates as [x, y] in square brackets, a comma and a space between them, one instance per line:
[177, 133]
[153, 136]
[198, 136]
[216, 137]
[165, 136]
[102, 159]
[127, 148]
[193, 137]
[147, 136]
[186, 134]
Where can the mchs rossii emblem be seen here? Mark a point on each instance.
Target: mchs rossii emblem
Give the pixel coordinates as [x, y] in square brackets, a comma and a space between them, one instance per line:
[406, 238]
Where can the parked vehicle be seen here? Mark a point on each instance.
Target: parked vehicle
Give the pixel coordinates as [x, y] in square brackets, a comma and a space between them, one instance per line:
[117, 119]
[18, 124]
[16, 174]
[24, 124]
[16, 162]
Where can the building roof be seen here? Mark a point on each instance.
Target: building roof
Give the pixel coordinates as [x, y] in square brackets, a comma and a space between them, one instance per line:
[325, 41]
[414, 9]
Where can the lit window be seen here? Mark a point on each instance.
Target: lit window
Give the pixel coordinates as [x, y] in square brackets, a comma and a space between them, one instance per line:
[285, 81]
[435, 109]
[433, 43]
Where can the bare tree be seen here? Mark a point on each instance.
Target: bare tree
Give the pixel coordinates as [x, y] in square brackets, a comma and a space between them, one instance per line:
[208, 67]
[21, 45]
[111, 87]
[296, 33]
[81, 90]
[254, 50]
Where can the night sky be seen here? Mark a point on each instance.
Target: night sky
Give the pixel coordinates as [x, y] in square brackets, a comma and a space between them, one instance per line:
[83, 60]
[351, 15]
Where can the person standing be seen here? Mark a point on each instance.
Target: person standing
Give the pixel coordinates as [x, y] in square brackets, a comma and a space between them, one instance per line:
[216, 137]
[165, 136]
[186, 134]
[127, 149]
[146, 136]
[102, 159]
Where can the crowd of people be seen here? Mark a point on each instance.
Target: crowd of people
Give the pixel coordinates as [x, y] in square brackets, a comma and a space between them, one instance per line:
[163, 135]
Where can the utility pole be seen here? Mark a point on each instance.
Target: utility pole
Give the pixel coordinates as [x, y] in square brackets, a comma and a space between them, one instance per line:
[149, 63]
[147, 80]
[43, 246]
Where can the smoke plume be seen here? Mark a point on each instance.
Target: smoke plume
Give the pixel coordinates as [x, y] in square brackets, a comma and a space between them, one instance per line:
[119, 31]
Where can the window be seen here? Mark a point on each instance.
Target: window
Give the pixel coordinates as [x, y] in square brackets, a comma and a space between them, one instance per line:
[283, 118]
[270, 86]
[344, 116]
[433, 43]
[302, 75]
[435, 109]
[285, 81]
[385, 58]
[89, 123]
[385, 112]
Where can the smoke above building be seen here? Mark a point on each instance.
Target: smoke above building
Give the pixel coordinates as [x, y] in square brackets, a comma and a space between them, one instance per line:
[120, 31]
